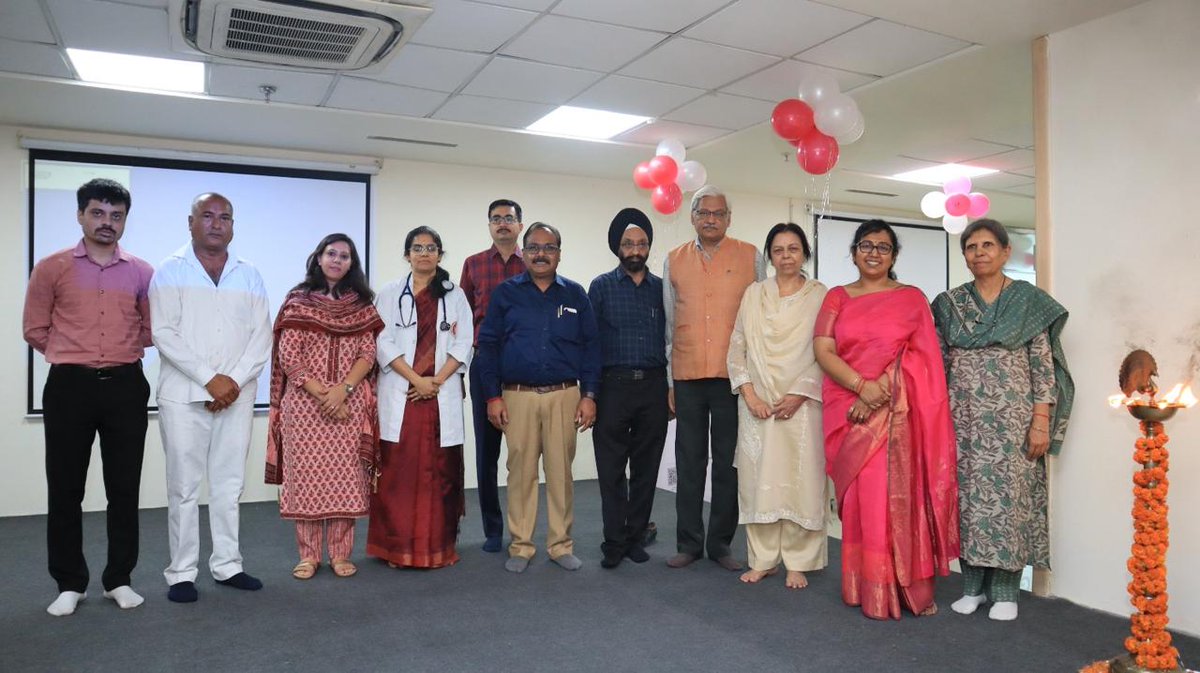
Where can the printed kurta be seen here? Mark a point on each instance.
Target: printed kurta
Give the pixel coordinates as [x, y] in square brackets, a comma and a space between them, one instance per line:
[323, 474]
[780, 464]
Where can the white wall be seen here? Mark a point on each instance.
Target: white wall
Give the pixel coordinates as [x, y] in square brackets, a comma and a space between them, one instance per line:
[1124, 137]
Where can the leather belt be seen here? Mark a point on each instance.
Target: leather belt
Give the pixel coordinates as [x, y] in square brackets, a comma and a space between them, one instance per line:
[541, 390]
[101, 373]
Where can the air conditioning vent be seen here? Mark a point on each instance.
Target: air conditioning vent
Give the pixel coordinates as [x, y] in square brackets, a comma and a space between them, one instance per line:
[330, 35]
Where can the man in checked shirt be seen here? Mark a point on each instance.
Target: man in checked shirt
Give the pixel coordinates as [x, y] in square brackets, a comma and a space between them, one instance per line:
[631, 413]
[481, 273]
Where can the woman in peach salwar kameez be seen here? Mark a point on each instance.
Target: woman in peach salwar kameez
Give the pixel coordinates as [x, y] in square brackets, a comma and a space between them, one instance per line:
[889, 442]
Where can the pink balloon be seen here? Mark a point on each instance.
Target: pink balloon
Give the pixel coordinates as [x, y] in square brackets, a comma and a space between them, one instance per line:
[979, 204]
[667, 198]
[792, 119]
[662, 170]
[959, 185]
[641, 176]
[817, 153]
[957, 204]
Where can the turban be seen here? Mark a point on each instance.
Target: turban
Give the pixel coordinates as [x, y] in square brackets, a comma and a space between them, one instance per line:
[629, 217]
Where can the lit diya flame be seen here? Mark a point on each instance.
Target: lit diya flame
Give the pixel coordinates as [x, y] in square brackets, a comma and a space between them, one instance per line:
[1180, 396]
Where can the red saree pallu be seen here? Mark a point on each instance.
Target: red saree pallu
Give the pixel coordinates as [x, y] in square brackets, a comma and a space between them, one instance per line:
[895, 475]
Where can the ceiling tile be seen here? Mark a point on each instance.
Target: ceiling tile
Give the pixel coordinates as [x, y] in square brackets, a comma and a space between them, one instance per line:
[302, 88]
[1026, 190]
[780, 27]
[882, 48]
[883, 166]
[33, 59]
[783, 81]
[581, 44]
[533, 5]
[669, 16]
[955, 151]
[369, 96]
[688, 134]
[431, 68]
[528, 81]
[23, 20]
[699, 64]
[635, 96]
[724, 111]
[1017, 135]
[108, 26]
[999, 181]
[471, 26]
[1007, 161]
[492, 111]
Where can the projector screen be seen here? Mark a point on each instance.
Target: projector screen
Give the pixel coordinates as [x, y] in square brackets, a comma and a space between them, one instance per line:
[922, 261]
[280, 214]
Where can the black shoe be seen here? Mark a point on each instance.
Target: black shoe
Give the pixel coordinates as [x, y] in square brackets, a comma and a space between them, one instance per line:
[611, 559]
[183, 592]
[651, 534]
[242, 581]
[491, 545]
[637, 554]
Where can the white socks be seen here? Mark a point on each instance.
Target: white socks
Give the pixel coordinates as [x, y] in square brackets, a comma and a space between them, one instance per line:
[65, 603]
[969, 604]
[1003, 612]
[125, 597]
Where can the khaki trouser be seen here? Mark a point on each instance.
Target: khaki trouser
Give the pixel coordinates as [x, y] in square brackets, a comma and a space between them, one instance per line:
[541, 425]
[787, 541]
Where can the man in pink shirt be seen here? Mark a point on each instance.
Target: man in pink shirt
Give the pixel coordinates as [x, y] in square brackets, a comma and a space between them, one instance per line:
[87, 310]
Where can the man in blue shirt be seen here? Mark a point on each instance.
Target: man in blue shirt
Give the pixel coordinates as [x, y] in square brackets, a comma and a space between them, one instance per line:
[539, 362]
[632, 413]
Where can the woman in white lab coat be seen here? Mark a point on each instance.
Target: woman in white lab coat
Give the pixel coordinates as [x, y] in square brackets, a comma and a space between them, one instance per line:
[423, 353]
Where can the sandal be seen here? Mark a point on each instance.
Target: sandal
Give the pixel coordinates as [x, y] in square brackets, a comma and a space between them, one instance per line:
[343, 567]
[304, 570]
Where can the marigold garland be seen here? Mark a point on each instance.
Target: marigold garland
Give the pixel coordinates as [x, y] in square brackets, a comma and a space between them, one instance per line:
[1149, 642]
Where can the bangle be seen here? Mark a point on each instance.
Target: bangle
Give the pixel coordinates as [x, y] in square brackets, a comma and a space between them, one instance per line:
[1043, 415]
[859, 385]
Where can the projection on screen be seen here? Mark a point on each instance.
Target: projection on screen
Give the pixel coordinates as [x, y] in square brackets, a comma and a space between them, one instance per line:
[279, 217]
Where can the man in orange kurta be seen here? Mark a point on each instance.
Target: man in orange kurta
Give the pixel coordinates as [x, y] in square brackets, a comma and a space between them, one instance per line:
[703, 282]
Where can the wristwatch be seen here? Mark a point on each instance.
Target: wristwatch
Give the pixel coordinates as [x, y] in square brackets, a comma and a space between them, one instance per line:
[349, 388]
[590, 395]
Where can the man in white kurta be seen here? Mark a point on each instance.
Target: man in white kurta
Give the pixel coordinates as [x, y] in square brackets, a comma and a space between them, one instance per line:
[211, 325]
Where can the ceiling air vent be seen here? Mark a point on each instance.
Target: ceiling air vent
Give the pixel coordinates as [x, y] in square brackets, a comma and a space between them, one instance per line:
[329, 35]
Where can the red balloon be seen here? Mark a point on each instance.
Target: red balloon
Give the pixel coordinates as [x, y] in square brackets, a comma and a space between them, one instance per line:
[667, 198]
[958, 204]
[662, 170]
[817, 153]
[641, 176]
[792, 119]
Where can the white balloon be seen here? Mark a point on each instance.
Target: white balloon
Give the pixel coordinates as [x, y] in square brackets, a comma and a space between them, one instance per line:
[933, 205]
[954, 224]
[692, 176]
[836, 115]
[855, 132]
[816, 86]
[671, 148]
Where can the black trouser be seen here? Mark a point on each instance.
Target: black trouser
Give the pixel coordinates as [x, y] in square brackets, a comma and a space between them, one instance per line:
[631, 427]
[487, 457]
[78, 402]
[695, 403]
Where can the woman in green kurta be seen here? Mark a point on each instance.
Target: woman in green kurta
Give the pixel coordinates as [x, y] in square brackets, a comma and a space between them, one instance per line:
[1010, 396]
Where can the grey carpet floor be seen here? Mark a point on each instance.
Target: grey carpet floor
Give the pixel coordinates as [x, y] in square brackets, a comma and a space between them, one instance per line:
[474, 616]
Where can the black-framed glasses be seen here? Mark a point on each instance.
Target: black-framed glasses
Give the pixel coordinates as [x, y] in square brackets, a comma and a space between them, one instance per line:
[868, 247]
[630, 245]
[705, 214]
[430, 249]
[503, 219]
[534, 248]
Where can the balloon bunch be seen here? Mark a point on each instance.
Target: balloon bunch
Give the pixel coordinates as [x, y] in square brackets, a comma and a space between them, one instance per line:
[955, 204]
[817, 122]
[669, 176]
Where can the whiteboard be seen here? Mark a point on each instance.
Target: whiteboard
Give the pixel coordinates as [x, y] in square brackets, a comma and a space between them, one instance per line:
[922, 261]
[279, 217]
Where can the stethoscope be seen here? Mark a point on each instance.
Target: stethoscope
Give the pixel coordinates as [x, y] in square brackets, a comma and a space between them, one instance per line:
[412, 306]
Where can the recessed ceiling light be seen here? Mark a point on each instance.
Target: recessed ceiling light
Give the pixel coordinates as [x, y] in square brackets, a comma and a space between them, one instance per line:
[936, 175]
[141, 72]
[578, 122]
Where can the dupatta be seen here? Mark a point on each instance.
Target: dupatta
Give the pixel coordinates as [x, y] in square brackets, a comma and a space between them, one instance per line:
[344, 316]
[892, 333]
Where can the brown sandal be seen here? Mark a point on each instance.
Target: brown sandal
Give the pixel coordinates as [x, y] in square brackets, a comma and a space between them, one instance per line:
[343, 567]
[305, 569]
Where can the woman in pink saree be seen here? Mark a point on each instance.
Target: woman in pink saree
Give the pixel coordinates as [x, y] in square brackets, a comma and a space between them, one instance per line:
[889, 442]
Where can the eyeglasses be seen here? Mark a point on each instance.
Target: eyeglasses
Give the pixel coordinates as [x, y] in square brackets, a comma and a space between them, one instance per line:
[534, 248]
[503, 219]
[705, 214]
[867, 247]
[430, 249]
[629, 245]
